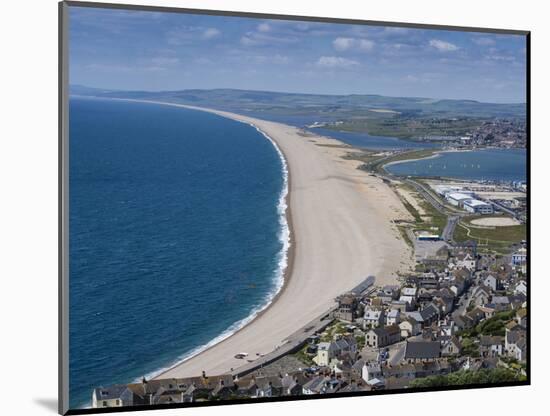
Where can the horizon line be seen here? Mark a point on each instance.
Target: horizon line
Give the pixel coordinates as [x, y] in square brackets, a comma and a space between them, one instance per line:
[296, 93]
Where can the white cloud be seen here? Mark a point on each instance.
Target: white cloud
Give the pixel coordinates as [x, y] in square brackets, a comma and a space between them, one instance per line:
[443, 46]
[210, 33]
[264, 27]
[366, 45]
[343, 44]
[336, 62]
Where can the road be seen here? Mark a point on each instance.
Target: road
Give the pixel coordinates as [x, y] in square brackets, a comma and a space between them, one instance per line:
[452, 218]
[466, 299]
[448, 231]
[292, 344]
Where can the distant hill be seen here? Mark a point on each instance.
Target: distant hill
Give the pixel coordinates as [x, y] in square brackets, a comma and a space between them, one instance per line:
[333, 106]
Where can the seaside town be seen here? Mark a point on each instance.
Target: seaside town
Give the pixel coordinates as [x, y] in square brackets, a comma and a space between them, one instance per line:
[460, 318]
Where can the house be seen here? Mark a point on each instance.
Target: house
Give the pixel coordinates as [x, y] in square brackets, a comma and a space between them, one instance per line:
[409, 291]
[222, 391]
[246, 387]
[501, 302]
[521, 317]
[481, 295]
[326, 351]
[429, 315]
[520, 350]
[373, 318]
[380, 337]
[389, 293]
[491, 282]
[405, 372]
[488, 310]
[519, 258]
[269, 386]
[450, 346]
[463, 322]
[447, 327]
[515, 344]
[422, 351]
[491, 346]
[432, 368]
[466, 260]
[354, 387]
[162, 391]
[400, 305]
[314, 386]
[427, 280]
[409, 327]
[458, 284]
[371, 370]
[394, 317]
[110, 396]
[322, 385]
[446, 299]
[476, 315]
[521, 288]
[347, 308]
[345, 345]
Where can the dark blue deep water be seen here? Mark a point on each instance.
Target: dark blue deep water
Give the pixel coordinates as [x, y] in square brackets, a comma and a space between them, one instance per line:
[175, 235]
[487, 164]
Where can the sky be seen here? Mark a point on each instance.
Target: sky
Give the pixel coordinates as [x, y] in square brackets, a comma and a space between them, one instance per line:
[143, 50]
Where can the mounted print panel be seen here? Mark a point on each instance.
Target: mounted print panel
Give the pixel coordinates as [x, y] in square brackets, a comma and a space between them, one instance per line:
[265, 208]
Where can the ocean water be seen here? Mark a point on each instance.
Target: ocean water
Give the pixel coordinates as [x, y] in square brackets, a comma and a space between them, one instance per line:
[177, 236]
[486, 164]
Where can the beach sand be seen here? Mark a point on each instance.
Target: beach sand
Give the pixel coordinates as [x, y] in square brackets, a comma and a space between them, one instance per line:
[341, 232]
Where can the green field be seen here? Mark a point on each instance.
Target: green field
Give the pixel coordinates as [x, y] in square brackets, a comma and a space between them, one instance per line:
[407, 127]
[497, 239]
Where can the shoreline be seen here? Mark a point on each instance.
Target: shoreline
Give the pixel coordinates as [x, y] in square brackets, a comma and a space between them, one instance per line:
[326, 188]
[287, 253]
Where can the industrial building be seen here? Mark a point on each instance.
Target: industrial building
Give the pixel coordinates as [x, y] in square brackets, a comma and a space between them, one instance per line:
[477, 207]
[458, 198]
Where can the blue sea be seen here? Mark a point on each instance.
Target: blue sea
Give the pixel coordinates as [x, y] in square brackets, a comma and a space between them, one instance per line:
[487, 164]
[177, 236]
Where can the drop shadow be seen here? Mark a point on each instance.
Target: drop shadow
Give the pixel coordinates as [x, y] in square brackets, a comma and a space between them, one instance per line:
[48, 404]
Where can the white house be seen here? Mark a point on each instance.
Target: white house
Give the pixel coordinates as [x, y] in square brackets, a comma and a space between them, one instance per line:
[373, 318]
[326, 351]
[490, 281]
[371, 370]
[467, 261]
[521, 288]
[394, 317]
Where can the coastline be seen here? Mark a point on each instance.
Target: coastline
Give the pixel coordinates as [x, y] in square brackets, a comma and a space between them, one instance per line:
[269, 328]
[287, 256]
